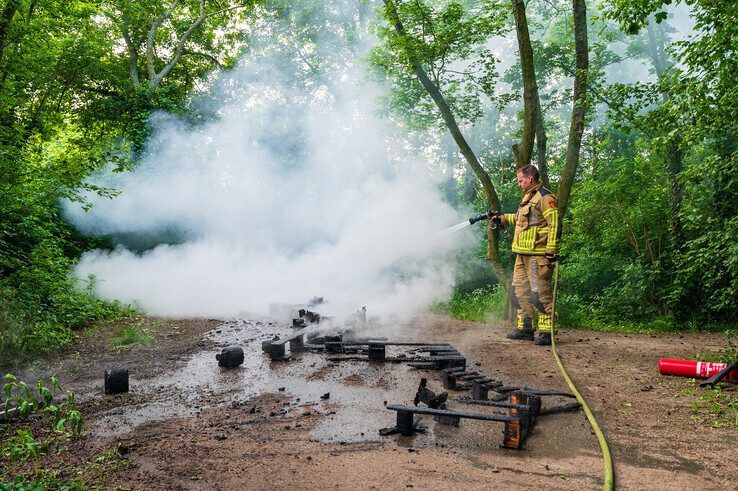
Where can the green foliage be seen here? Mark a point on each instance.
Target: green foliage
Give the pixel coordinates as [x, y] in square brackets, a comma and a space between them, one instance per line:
[24, 401]
[70, 106]
[481, 305]
[437, 35]
[660, 225]
[716, 407]
[40, 480]
[21, 448]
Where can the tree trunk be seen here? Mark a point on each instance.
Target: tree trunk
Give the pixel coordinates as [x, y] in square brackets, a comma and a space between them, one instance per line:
[5, 19]
[579, 110]
[523, 152]
[541, 140]
[673, 155]
[449, 183]
[493, 253]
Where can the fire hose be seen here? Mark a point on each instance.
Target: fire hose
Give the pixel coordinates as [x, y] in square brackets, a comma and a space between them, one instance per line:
[609, 474]
[606, 456]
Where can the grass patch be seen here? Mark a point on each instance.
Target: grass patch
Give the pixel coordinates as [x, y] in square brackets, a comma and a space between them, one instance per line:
[480, 305]
[25, 462]
[130, 335]
[716, 407]
[488, 305]
[728, 354]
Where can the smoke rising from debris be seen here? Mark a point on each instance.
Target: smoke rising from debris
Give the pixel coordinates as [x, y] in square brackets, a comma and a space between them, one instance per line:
[294, 189]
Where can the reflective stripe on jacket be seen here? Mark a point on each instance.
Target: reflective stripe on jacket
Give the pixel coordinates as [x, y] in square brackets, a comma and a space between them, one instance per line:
[536, 223]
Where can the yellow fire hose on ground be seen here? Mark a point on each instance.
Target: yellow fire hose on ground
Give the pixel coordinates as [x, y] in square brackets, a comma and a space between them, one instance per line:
[609, 475]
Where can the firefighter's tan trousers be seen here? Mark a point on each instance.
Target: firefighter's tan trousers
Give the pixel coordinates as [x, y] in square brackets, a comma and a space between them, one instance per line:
[532, 283]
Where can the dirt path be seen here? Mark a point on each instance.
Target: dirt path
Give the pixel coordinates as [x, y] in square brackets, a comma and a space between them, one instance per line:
[186, 424]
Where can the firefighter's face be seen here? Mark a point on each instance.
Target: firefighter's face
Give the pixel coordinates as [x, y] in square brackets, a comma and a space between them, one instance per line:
[525, 183]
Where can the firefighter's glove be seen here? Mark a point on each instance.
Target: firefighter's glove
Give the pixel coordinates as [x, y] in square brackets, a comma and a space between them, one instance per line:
[494, 216]
[552, 259]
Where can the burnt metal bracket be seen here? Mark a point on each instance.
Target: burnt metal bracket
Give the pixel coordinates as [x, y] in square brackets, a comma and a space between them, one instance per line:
[428, 397]
[407, 425]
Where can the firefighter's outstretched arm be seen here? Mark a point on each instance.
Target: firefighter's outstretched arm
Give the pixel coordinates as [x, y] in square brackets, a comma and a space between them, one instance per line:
[507, 219]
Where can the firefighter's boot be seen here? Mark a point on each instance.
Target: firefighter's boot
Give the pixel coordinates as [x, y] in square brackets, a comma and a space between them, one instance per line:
[524, 330]
[545, 325]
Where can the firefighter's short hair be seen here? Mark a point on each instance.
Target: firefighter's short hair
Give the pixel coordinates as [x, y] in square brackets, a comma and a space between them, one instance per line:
[530, 170]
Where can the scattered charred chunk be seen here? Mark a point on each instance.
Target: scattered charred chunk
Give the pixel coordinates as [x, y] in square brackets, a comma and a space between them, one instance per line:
[230, 357]
[309, 316]
[116, 381]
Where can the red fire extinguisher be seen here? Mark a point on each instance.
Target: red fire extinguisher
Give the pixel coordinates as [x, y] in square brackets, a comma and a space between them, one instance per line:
[694, 369]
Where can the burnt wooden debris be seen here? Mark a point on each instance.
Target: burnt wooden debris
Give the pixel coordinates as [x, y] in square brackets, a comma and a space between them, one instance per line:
[230, 357]
[276, 347]
[517, 408]
[116, 381]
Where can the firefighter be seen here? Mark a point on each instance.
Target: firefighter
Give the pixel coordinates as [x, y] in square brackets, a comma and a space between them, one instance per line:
[536, 244]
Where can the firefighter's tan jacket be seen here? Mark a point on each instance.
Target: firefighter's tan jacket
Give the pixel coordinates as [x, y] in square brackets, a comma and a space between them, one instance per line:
[536, 224]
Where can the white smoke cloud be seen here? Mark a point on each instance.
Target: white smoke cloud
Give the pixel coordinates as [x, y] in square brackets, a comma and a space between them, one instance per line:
[288, 194]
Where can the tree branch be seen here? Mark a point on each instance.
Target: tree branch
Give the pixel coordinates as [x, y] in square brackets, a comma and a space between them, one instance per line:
[493, 254]
[204, 55]
[132, 53]
[150, 40]
[179, 50]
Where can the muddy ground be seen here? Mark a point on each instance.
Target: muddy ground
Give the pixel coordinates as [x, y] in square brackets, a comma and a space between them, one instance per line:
[187, 424]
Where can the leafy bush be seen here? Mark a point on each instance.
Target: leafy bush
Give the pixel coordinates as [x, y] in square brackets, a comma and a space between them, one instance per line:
[25, 401]
[20, 448]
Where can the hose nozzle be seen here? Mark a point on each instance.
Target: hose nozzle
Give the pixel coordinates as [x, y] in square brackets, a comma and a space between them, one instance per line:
[484, 216]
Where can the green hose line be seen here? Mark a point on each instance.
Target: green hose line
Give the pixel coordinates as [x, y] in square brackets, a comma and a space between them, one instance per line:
[609, 474]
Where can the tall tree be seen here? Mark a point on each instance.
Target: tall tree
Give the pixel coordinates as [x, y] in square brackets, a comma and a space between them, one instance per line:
[579, 109]
[405, 44]
[524, 151]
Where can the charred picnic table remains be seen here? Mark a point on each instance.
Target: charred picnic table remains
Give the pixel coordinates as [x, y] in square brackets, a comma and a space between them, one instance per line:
[517, 408]
[276, 347]
[523, 409]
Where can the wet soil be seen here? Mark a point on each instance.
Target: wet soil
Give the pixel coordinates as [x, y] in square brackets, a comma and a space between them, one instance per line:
[313, 423]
